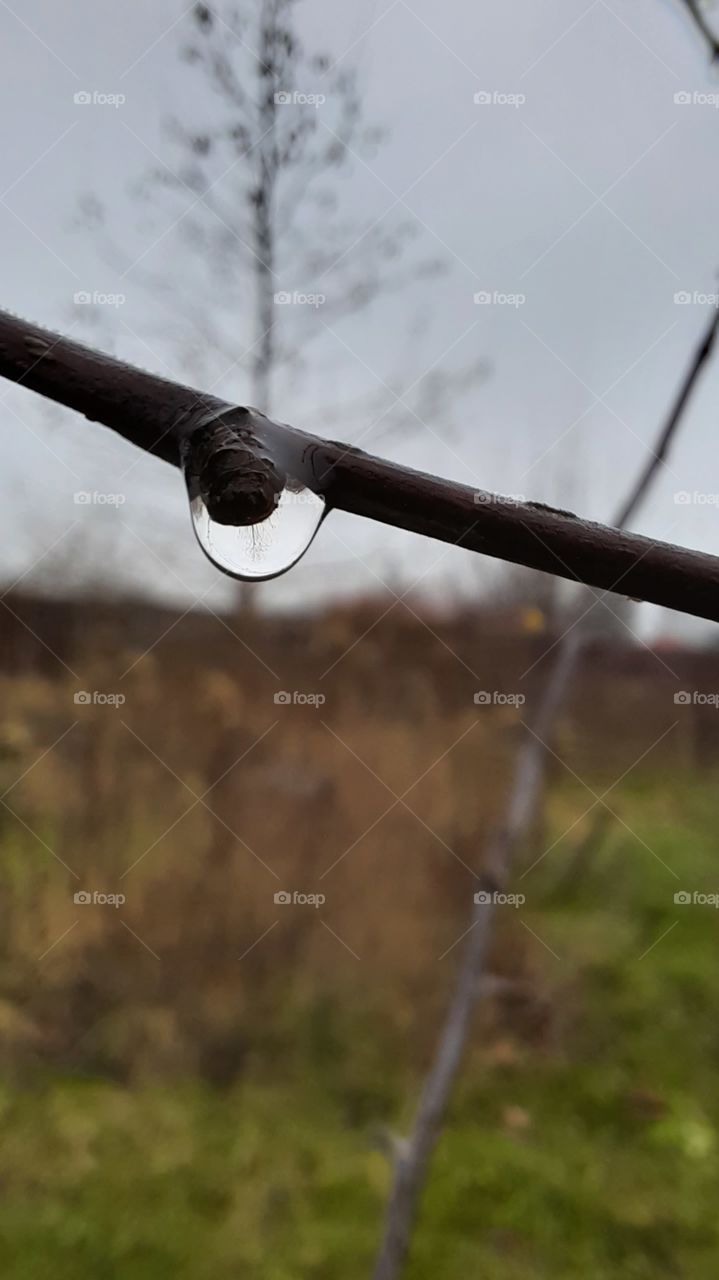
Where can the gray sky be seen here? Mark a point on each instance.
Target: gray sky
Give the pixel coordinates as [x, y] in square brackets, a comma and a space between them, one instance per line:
[595, 198]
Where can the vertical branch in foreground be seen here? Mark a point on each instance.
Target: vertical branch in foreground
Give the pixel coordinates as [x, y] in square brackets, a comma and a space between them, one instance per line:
[412, 1163]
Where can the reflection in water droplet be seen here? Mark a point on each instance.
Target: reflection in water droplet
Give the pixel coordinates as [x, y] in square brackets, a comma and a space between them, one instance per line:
[254, 552]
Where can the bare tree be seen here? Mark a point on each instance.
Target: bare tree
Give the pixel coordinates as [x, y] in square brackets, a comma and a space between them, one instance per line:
[255, 201]
[271, 260]
[414, 1154]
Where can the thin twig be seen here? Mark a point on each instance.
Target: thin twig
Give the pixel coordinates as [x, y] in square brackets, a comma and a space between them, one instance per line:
[159, 416]
[411, 1168]
[630, 507]
[695, 9]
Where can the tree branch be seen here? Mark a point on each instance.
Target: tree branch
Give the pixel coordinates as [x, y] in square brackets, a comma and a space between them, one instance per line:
[159, 416]
[413, 1164]
[695, 9]
[634, 500]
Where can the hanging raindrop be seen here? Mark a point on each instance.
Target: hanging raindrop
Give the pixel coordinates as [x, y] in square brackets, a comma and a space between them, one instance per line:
[250, 519]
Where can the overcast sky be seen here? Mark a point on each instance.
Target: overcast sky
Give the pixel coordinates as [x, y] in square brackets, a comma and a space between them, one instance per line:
[582, 185]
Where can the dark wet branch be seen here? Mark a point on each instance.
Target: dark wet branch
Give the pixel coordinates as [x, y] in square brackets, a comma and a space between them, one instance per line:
[159, 416]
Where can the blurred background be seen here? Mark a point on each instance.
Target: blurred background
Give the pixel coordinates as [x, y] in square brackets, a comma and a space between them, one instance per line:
[241, 825]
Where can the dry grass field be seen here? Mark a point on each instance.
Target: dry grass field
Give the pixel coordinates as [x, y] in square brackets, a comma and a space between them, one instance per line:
[198, 1076]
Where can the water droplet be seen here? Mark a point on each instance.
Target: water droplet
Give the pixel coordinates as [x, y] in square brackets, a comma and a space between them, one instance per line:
[250, 519]
[38, 346]
[264, 550]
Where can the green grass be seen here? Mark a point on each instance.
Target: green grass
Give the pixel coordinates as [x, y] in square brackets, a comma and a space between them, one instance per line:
[593, 1154]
